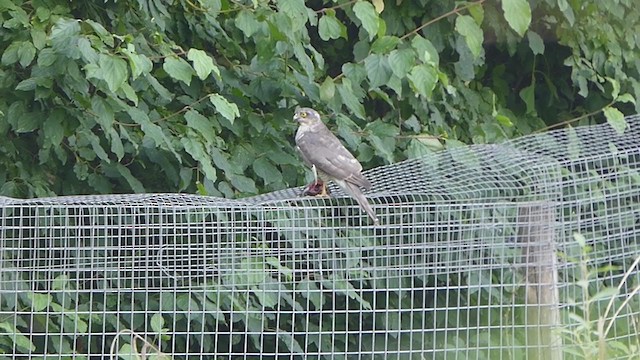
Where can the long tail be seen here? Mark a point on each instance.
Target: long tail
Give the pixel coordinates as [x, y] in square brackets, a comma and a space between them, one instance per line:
[355, 192]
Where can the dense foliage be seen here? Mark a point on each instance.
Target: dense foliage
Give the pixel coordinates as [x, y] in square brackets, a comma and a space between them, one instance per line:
[197, 96]
[150, 95]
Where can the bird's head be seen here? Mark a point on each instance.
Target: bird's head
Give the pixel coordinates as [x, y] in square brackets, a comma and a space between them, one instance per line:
[307, 117]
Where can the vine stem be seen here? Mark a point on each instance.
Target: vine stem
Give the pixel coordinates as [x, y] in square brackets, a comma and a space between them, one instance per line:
[455, 10]
[567, 122]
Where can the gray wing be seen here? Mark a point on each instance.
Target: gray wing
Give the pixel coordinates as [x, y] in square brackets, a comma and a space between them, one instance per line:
[326, 152]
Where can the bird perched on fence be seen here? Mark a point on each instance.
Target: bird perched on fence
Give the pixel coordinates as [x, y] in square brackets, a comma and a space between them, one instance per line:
[329, 159]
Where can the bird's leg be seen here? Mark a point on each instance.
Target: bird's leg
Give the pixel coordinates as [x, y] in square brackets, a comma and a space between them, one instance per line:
[317, 187]
[315, 174]
[323, 190]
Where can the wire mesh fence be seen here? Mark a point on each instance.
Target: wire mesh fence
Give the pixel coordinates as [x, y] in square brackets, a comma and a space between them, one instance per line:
[511, 251]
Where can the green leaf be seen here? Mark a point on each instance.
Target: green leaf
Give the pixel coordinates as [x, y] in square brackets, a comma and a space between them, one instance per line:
[290, 342]
[63, 32]
[382, 137]
[366, 13]
[327, 89]
[401, 61]
[161, 90]
[21, 120]
[423, 79]
[535, 43]
[94, 140]
[103, 111]
[89, 54]
[140, 64]
[379, 5]
[464, 155]
[518, 15]
[295, 10]
[198, 152]
[344, 287]
[331, 28]
[267, 171]
[528, 95]
[472, 33]
[477, 12]
[10, 54]
[116, 143]
[46, 57]
[615, 118]
[113, 71]
[157, 323]
[227, 109]
[626, 98]
[104, 35]
[384, 44]
[22, 343]
[178, 69]
[580, 239]
[200, 123]
[504, 120]
[202, 63]
[134, 183]
[350, 99]
[378, 71]
[39, 302]
[247, 23]
[53, 129]
[604, 294]
[242, 183]
[39, 38]
[426, 51]
[615, 87]
[26, 53]
[27, 85]
[153, 131]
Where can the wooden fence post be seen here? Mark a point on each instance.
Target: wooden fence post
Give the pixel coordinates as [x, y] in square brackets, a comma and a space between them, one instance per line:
[537, 238]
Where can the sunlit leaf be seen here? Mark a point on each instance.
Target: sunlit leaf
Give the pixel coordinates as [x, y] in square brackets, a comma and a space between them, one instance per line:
[528, 95]
[202, 63]
[401, 61]
[518, 15]
[227, 109]
[616, 119]
[472, 33]
[423, 79]
[384, 44]
[39, 301]
[113, 70]
[535, 43]
[327, 89]
[22, 343]
[26, 53]
[157, 323]
[295, 10]
[379, 5]
[330, 28]
[178, 69]
[378, 71]
[246, 21]
[349, 98]
[366, 13]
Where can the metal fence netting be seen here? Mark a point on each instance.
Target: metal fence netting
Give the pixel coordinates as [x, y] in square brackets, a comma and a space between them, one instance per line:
[510, 251]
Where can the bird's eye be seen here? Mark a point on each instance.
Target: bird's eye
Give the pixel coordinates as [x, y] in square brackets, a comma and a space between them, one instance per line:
[303, 114]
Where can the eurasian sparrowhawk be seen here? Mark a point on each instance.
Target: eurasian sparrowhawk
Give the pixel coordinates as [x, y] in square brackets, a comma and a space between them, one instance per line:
[322, 150]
